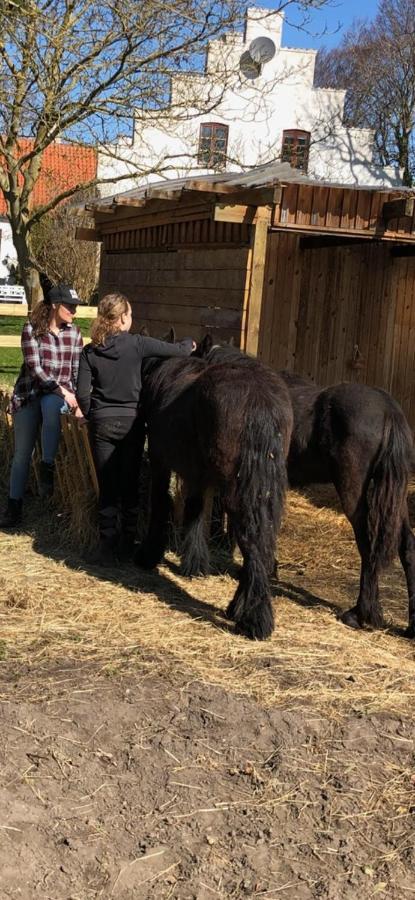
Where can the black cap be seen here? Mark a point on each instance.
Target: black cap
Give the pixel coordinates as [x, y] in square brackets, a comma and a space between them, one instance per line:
[62, 293]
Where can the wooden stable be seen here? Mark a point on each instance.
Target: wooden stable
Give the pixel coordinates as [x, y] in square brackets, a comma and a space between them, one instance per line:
[314, 278]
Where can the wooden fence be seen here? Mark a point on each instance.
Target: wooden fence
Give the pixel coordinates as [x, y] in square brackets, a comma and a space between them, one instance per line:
[20, 310]
[76, 486]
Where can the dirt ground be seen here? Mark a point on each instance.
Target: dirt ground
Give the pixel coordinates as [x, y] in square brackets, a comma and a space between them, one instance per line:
[148, 752]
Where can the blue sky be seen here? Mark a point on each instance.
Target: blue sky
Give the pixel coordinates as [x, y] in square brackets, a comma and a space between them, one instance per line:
[336, 17]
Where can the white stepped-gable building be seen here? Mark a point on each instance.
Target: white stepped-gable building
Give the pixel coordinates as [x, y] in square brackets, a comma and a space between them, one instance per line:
[265, 112]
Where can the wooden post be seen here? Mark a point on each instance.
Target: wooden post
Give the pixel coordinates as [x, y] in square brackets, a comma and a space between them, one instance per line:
[259, 249]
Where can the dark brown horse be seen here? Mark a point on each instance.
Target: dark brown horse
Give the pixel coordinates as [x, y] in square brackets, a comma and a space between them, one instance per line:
[218, 426]
[356, 437]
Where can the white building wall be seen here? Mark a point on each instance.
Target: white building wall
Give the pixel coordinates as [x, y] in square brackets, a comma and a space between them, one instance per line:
[7, 251]
[256, 112]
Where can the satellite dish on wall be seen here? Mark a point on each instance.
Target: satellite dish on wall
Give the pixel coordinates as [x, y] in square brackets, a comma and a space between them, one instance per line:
[261, 50]
[249, 68]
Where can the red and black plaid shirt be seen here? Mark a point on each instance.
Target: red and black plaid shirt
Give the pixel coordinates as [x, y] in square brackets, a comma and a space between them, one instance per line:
[49, 361]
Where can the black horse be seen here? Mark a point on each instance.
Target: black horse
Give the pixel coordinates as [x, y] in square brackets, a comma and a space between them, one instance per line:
[217, 426]
[356, 437]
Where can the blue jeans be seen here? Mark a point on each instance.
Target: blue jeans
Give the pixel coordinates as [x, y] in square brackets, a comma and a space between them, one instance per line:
[45, 411]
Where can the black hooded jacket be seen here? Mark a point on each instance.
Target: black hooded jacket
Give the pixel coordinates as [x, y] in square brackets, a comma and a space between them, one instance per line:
[109, 380]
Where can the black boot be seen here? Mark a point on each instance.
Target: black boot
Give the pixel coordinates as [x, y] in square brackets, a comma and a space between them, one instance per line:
[46, 473]
[12, 517]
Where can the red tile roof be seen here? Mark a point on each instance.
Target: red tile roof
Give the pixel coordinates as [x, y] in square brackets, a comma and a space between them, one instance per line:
[63, 166]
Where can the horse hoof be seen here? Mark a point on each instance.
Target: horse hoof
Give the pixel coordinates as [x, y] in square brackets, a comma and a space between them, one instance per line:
[258, 627]
[253, 631]
[350, 619]
[194, 570]
[410, 631]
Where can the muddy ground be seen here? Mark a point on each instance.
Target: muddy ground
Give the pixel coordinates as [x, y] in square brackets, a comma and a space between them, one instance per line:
[155, 779]
[139, 787]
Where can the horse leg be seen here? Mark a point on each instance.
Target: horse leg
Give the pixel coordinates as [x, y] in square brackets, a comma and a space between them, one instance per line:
[251, 607]
[151, 551]
[368, 609]
[195, 552]
[407, 557]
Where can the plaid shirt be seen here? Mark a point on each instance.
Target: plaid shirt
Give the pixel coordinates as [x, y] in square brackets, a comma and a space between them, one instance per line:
[49, 361]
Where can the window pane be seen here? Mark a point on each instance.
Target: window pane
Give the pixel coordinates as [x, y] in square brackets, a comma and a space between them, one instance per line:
[295, 147]
[213, 139]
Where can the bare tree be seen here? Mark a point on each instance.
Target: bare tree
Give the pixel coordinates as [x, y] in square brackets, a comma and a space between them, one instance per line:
[375, 62]
[59, 255]
[76, 69]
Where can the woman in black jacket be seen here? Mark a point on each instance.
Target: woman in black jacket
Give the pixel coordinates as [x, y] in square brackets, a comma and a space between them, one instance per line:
[108, 393]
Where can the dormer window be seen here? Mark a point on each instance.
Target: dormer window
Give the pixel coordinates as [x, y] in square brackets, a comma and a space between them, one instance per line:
[295, 148]
[213, 144]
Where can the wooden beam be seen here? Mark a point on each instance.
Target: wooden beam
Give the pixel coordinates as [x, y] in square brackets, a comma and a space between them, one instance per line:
[321, 241]
[135, 202]
[241, 197]
[234, 212]
[384, 237]
[211, 187]
[106, 208]
[259, 249]
[277, 195]
[87, 234]
[245, 196]
[163, 194]
[21, 310]
[147, 217]
[396, 209]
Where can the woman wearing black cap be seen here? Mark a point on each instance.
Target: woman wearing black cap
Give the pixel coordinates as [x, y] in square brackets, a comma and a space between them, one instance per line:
[51, 346]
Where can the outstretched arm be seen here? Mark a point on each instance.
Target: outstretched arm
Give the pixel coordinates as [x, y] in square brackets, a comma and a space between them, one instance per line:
[148, 346]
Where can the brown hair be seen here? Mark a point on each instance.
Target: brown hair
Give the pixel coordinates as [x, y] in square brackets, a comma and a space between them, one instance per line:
[110, 309]
[40, 317]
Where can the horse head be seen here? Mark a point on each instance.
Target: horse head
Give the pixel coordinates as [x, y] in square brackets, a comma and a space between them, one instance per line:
[204, 347]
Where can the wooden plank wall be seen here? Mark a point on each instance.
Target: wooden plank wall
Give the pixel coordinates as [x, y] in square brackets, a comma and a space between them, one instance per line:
[196, 287]
[341, 314]
[350, 210]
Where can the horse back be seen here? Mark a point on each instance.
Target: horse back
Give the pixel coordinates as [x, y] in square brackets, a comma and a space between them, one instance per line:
[241, 391]
[343, 422]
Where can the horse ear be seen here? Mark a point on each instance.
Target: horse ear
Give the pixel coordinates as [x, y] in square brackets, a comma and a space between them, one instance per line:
[144, 331]
[206, 345]
[171, 336]
[231, 342]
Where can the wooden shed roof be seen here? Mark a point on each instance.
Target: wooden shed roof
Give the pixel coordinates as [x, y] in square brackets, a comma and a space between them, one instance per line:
[291, 201]
[262, 177]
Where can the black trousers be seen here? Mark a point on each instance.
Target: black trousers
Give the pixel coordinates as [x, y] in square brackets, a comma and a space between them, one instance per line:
[117, 447]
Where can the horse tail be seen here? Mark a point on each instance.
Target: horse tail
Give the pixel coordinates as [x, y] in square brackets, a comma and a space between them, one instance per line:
[388, 486]
[262, 475]
[258, 505]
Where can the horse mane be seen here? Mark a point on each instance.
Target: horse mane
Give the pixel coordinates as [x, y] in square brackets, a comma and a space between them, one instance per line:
[165, 379]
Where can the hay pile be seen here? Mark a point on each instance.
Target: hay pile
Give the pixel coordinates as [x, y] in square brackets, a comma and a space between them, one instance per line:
[53, 606]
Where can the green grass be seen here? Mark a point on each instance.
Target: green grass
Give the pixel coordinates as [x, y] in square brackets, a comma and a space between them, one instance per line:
[14, 324]
[10, 362]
